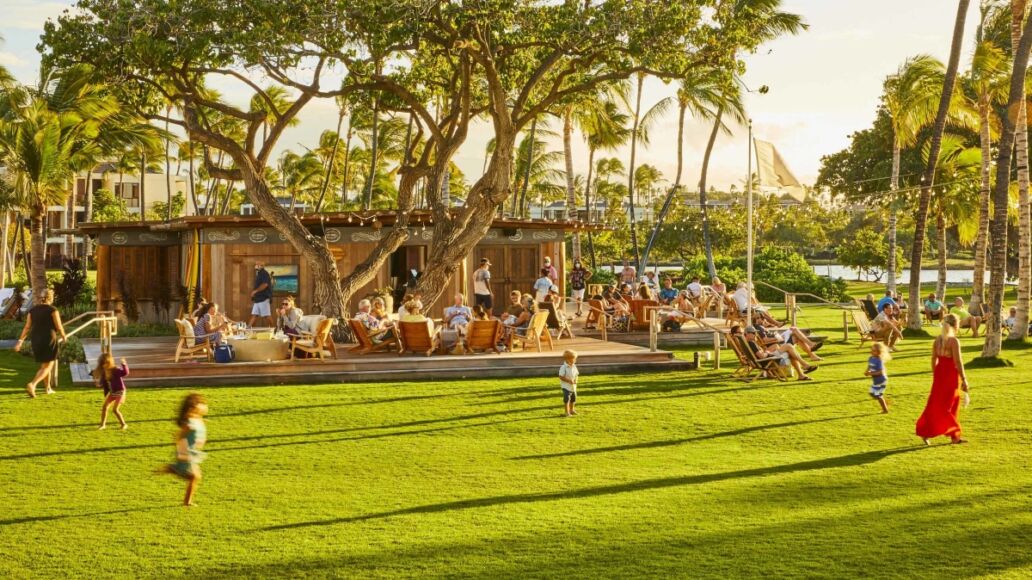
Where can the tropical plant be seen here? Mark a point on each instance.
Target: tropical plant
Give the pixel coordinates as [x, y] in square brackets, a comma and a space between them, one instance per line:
[640, 134]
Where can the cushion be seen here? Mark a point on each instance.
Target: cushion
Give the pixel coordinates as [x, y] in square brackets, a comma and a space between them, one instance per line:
[309, 322]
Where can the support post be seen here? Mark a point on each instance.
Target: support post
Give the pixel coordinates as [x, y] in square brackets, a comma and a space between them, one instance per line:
[716, 350]
[653, 335]
[845, 326]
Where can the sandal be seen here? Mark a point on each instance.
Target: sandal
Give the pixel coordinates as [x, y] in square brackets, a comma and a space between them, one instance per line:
[810, 369]
[805, 378]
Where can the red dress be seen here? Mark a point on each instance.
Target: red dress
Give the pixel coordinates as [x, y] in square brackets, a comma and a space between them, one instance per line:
[940, 414]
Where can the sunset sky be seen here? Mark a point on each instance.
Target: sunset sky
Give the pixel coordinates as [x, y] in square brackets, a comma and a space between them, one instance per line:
[824, 83]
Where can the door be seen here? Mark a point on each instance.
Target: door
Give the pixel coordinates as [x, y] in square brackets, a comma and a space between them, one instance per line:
[512, 268]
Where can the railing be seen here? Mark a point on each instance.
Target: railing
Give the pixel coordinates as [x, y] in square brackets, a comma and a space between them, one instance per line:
[791, 307]
[654, 328]
[104, 319]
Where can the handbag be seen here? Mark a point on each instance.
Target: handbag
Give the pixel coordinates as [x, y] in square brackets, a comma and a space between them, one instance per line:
[224, 353]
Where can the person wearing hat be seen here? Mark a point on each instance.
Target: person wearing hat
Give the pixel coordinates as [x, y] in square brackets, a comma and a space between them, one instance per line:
[787, 352]
[482, 294]
[553, 274]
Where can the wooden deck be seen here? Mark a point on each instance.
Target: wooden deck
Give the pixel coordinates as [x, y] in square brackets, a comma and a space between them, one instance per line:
[151, 364]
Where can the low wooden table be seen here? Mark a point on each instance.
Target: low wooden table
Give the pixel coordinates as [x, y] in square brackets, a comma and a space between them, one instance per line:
[259, 350]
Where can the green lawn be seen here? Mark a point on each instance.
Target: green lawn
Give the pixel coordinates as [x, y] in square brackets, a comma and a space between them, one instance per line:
[680, 475]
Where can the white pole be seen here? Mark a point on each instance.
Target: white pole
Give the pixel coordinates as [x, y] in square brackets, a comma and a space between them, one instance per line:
[749, 230]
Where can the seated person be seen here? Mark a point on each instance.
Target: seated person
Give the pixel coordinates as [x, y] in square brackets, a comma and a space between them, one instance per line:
[886, 328]
[682, 310]
[557, 300]
[741, 297]
[288, 317]
[458, 316]
[870, 307]
[1011, 320]
[934, 309]
[515, 314]
[379, 311]
[480, 313]
[542, 285]
[614, 304]
[375, 328]
[900, 301]
[414, 313]
[644, 292]
[718, 287]
[668, 294]
[966, 318]
[791, 335]
[694, 288]
[410, 297]
[650, 280]
[201, 303]
[626, 291]
[208, 323]
[886, 300]
[787, 352]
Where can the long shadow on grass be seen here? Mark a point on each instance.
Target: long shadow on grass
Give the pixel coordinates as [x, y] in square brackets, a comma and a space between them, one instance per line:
[34, 519]
[682, 441]
[854, 460]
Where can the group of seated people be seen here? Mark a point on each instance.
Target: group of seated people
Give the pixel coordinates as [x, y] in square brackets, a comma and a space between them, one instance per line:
[782, 344]
[209, 321]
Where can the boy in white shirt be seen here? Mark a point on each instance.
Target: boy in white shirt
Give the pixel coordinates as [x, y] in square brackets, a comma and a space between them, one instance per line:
[568, 381]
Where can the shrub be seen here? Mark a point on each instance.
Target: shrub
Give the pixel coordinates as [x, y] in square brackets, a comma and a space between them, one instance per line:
[775, 266]
[602, 276]
[71, 351]
[70, 290]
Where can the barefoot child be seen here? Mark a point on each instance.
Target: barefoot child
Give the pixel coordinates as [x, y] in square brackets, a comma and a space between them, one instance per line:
[876, 370]
[111, 379]
[190, 440]
[568, 381]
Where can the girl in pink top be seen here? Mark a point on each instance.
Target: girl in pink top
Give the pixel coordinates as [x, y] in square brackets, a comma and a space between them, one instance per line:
[111, 379]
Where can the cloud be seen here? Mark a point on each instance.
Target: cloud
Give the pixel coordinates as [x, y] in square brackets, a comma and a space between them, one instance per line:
[10, 59]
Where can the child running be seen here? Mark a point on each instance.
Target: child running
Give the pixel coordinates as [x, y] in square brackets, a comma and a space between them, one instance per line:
[111, 379]
[876, 370]
[190, 440]
[568, 381]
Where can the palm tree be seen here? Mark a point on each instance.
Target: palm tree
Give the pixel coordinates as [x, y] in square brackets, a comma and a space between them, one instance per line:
[640, 133]
[921, 217]
[987, 83]
[605, 130]
[911, 97]
[953, 203]
[1020, 329]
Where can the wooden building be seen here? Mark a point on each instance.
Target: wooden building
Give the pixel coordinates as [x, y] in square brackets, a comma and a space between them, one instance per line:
[156, 262]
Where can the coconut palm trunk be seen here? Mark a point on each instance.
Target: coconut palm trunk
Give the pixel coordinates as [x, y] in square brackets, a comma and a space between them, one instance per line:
[332, 162]
[38, 257]
[707, 241]
[891, 265]
[143, 188]
[374, 149]
[940, 250]
[588, 200]
[168, 168]
[571, 194]
[1020, 328]
[998, 231]
[921, 217]
[347, 166]
[681, 109]
[5, 230]
[193, 190]
[982, 239]
[630, 174]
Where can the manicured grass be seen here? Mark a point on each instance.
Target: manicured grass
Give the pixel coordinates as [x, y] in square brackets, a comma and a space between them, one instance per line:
[680, 475]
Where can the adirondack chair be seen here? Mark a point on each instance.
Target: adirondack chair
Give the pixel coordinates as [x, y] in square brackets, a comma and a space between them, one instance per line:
[703, 305]
[639, 313]
[863, 327]
[191, 346]
[595, 314]
[732, 314]
[484, 335]
[556, 320]
[318, 344]
[869, 307]
[535, 332]
[417, 338]
[366, 344]
[770, 365]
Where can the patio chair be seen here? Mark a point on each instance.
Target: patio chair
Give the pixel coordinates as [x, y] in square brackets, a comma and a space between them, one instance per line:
[556, 320]
[869, 307]
[191, 346]
[767, 365]
[536, 331]
[863, 327]
[416, 338]
[639, 313]
[484, 335]
[366, 344]
[732, 314]
[318, 344]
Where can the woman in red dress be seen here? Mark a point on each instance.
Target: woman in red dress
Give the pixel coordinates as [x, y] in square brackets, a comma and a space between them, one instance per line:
[940, 414]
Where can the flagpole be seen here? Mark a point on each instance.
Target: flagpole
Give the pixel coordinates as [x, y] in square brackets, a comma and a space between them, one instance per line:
[749, 230]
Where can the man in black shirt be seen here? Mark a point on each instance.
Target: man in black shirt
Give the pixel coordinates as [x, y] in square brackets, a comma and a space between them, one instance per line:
[261, 296]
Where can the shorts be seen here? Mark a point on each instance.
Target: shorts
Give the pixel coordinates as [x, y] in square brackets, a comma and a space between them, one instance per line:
[878, 390]
[484, 300]
[569, 397]
[263, 308]
[184, 469]
[578, 294]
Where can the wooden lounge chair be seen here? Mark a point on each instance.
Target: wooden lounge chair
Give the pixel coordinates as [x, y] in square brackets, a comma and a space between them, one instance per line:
[191, 346]
[732, 314]
[318, 344]
[767, 365]
[863, 327]
[639, 313]
[555, 321]
[484, 335]
[703, 305]
[596, 314]
[366, 344]
[869, 307]
[536, 331]
[416, 338]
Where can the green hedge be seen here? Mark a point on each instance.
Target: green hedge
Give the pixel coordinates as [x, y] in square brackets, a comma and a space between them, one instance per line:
[775, 266]
[10, 329]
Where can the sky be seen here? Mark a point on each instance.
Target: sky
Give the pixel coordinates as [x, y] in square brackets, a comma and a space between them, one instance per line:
[824, 85]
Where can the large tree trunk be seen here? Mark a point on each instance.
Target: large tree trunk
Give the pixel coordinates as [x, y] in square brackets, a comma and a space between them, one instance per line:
[38, 259]
[588, 204]
[630, 174]
[5, 230]
[998, 233]
[673, 188]
[940, 249]
[982, 239]
[571, 194]
[921, 217]
[1020, 329]
[706, 239]
[891, 265]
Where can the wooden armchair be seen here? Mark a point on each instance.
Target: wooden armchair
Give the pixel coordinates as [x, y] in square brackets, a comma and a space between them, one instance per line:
[732, 314]
[768, 365]
[640, 313]
[556, 320]
[863, 327]
[484, 335]
[191, 346]
[416, 338]
[536, 331]
[318, 344]
[366, 344]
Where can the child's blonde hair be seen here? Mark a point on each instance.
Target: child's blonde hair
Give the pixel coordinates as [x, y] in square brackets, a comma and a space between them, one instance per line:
[569, 354]
[105, 370]
[883, 350]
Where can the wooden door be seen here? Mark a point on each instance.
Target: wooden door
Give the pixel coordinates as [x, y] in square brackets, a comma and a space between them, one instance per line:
[523, 267]
[497, 256]
[512, 268]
